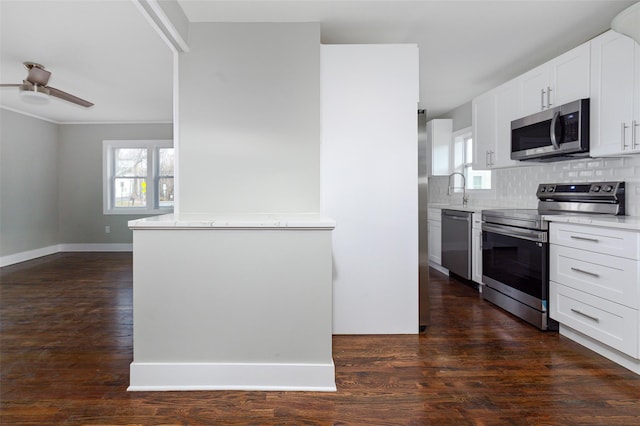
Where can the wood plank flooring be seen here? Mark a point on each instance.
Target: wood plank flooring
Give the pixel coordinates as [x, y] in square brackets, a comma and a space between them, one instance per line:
[66, 345]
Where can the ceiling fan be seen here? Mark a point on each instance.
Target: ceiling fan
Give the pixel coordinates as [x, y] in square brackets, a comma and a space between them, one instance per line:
[34, 87]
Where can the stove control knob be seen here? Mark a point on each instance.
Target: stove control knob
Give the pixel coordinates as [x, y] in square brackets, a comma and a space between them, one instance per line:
[595, 188]
[543, 189]
[607, 188]
[551, 188]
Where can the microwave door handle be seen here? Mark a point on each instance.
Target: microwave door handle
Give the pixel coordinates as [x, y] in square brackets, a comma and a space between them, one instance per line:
[552, 131]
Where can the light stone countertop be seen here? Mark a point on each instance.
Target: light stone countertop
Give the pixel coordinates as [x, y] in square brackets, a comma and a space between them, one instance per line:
[247, 221]
[630, 223]
[475, 208]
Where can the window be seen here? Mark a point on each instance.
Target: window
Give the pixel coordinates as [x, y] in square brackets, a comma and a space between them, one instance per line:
[138, 176]
[463, 160]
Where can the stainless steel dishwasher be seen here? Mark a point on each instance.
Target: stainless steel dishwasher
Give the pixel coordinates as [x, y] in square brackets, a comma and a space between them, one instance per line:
[456, 242]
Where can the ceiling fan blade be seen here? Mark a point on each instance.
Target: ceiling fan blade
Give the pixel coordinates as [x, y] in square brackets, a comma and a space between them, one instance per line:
[68, 97]
[11, 85]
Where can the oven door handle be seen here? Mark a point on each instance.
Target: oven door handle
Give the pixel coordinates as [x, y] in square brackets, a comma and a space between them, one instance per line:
[526, 234]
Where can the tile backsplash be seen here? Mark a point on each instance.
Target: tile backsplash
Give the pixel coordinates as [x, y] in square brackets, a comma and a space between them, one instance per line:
[516, 187]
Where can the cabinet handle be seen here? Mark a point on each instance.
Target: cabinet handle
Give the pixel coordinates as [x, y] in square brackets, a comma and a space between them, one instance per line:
[623, 131]
[549, 97]
[491, 157]
[593, 274]
[585, 315]
[541, 99]
[486, 158]
[634, 142]
[593, 240]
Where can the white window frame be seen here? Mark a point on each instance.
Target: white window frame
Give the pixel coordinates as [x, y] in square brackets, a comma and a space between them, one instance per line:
[108, 172]
[458, 151]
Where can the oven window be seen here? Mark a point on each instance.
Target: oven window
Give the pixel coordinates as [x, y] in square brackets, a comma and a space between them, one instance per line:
[518, 263]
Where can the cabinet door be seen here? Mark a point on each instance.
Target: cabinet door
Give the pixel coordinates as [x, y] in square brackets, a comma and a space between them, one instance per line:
[570, 76]
[506, 107]
[435, 241]
[564, 79]
[608, 322]
[612, 94]
[484, 130]
[439, 140]
[533, 90]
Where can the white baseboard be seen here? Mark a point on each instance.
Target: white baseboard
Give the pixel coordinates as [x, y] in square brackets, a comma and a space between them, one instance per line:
[46, 251]
[232, 376]
[28, 255]
[439, 268]
[618, 357]
[97, 247]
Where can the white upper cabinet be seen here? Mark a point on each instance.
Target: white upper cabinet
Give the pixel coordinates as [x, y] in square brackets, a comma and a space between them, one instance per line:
[484, 130]
[492, 114]
[559, 81]
[439, 141]
[506, 111]
[615, 95]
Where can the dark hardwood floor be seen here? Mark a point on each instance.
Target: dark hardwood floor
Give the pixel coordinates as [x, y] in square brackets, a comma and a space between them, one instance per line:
[66, 345]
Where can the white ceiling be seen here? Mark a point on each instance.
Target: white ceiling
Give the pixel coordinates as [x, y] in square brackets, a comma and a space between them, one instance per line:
[108, 53]
[102, 51]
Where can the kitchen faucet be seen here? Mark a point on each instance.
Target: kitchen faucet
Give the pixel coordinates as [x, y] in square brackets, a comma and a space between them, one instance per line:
[451, 188]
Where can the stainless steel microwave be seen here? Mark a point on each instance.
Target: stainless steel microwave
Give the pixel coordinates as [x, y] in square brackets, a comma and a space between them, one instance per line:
[552, 134]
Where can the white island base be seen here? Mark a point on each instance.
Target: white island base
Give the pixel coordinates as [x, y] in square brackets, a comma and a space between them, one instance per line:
[232, 304]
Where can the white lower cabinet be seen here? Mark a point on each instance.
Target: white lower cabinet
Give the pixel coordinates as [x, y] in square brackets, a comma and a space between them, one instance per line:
[476, 249]
[594, 289]
[434, 237]
[613, 324]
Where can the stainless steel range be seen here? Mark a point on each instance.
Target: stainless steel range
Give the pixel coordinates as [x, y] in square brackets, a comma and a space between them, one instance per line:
[515, 250]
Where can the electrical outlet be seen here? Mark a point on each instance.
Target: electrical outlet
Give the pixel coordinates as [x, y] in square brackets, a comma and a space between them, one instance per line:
[107, 229]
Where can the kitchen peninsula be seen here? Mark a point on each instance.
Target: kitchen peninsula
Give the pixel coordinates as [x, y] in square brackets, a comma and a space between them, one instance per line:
[235, 302]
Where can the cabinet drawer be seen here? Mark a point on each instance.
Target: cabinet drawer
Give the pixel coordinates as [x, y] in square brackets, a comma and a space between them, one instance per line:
[610, 277]
[610, 323]
[614, 242]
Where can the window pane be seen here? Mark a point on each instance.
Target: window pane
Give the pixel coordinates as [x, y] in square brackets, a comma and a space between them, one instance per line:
[130, 161]
[478, 179]
[166, 162]
[165, 192]
[130, 192]
[468, 158]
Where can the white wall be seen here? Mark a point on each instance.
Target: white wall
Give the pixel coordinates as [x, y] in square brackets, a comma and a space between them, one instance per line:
[369, 172]
[244, 309]
[249, 119]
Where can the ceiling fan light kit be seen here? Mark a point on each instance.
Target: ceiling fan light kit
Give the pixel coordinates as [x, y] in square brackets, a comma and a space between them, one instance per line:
[34, 88]
[33, 94]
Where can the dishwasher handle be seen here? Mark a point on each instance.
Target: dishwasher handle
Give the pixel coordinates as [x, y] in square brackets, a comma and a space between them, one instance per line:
[456, 215]
[462, 219]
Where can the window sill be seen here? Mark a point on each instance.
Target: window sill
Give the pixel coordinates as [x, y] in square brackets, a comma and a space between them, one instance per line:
[138, 211]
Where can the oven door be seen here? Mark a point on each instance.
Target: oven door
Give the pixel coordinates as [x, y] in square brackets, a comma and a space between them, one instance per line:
[515, 263]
